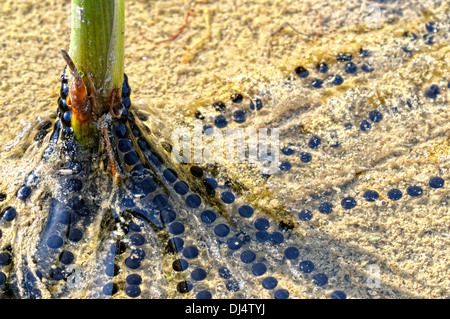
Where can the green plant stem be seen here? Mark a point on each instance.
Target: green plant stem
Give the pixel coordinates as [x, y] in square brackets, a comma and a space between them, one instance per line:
[97, 50]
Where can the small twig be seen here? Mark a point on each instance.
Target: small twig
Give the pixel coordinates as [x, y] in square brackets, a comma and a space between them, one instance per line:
[177, 34]
[310, 107]
[206, 37]
[287, 24]
[109, 149]
[421, 160]
[319, 25]
[251, 29]
[73, 69]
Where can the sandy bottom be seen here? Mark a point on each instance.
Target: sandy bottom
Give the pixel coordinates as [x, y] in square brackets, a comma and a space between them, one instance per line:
[253, 48]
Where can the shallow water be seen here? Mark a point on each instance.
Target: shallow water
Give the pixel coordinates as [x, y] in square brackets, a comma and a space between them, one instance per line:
[329, 223]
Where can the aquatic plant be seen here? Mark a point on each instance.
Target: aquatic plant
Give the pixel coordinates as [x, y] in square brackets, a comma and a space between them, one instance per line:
[95, 62]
